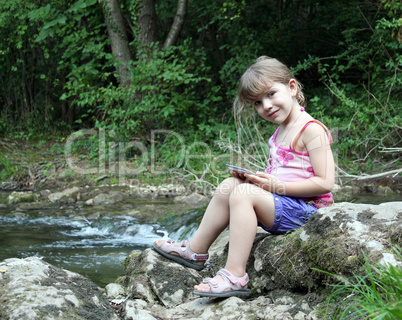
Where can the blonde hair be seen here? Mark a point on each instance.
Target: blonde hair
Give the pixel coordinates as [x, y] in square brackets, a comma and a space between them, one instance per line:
[259, 77]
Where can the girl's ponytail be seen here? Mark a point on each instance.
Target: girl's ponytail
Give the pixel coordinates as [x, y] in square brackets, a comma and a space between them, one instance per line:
[300, 95]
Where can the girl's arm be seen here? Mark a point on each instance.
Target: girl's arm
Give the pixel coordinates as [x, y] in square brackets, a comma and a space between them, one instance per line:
[316, 142]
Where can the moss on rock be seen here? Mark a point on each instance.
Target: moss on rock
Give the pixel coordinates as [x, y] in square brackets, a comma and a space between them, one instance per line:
[336, 253]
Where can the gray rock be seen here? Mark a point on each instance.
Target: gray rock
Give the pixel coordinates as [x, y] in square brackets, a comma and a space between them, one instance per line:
[152, 278]
[34, 205]
[231, 308]
[137, 309]
[44, 193]
[165, 191]
[192, 198]
[33, 289]
[19, 197]
[108, 198]
[65, 196]
[336, 240]
[114, 291]
[385, 190]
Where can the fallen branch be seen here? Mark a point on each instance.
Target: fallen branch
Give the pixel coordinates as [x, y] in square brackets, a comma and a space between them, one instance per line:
[367, 177]
[200, 182]
[391, 150]
[5, 144]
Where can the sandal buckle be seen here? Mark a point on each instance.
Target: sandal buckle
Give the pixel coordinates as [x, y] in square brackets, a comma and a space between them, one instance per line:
[202, 257]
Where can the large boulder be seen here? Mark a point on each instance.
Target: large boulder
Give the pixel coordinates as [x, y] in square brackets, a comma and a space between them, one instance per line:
[33, 289]
[337, 240]
[285, 270]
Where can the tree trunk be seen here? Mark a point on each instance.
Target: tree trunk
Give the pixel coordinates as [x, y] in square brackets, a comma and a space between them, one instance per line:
[25, 106]
[177, 23]
[118, 37]
[147, 32]
[70, 115]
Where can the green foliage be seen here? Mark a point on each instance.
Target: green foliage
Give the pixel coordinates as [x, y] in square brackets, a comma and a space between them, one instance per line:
[58, 72]
[47, 48]
[166, 92]
[375, 296]
[7, 169]
[364, 82]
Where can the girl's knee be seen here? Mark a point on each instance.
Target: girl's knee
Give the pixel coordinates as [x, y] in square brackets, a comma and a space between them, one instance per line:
[227, 186]
[246, 192]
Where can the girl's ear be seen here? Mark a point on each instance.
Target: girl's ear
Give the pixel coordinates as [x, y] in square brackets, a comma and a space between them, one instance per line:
[293, 87]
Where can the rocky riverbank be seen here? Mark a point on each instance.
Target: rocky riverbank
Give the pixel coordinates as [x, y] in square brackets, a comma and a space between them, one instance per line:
[109, 194]
[21, 203]
[283, 269]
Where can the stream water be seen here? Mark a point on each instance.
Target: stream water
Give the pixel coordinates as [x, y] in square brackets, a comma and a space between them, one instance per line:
[94, 249]
[93, 243]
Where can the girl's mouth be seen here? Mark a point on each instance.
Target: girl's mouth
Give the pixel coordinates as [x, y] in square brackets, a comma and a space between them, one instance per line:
[272, 113]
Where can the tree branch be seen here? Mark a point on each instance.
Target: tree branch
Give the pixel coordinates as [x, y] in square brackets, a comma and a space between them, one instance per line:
[177, 23]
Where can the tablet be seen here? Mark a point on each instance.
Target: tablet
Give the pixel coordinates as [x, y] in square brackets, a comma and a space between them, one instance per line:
[239, 169]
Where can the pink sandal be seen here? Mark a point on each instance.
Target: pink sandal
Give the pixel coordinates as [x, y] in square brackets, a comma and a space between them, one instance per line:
[231, 286]
[184, 255]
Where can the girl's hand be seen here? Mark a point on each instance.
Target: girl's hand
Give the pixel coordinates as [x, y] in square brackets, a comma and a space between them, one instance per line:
[267, 182]
[239, 175]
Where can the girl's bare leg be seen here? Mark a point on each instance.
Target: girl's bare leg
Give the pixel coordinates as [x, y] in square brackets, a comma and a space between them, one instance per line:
[215, 219]
[248, 204]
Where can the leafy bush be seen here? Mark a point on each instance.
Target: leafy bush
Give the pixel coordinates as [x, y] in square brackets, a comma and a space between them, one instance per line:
[167, 91]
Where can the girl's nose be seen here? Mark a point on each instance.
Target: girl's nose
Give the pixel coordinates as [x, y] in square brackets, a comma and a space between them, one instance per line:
[267, 104]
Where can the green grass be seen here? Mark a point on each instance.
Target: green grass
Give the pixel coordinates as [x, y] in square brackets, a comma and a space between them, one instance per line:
[7, 169]
[377, 295]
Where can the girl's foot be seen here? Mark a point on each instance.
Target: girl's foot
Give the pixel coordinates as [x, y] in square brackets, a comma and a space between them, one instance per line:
[223, 285]
[181, 253]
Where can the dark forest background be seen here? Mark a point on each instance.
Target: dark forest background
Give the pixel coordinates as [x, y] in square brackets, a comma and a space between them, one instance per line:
[133, 66]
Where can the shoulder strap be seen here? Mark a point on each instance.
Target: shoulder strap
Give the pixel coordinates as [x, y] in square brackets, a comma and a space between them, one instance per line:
[305, 126]
[275, 134]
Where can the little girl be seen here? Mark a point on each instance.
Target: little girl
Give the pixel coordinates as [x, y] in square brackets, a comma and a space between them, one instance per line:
[298, 180]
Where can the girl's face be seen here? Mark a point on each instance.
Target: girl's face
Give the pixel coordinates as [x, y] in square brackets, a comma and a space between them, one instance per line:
[277, 103]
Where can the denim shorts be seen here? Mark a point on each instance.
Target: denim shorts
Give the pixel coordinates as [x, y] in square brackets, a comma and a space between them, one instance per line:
[290, 213]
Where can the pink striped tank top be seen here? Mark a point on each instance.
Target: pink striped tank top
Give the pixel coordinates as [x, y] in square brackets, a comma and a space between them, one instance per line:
[288, 165]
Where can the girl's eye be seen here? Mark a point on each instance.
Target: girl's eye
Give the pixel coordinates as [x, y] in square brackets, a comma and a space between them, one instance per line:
[256, 103]
[270, 94]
